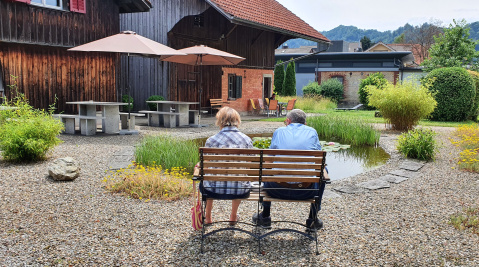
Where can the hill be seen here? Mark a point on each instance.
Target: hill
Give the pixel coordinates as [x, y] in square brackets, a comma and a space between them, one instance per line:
[354, 34]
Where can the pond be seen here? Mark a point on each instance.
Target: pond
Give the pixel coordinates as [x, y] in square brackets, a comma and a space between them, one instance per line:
[345, 162]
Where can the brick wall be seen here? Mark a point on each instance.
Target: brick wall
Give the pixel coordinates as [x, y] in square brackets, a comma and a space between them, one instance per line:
[252, 87]
[352, 79]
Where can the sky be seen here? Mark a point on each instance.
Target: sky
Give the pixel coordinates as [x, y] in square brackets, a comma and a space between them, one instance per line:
[381, 15]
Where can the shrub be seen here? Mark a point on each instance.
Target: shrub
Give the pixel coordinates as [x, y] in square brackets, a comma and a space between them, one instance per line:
[402, 105]
[310, 104]
[349, 130]
[168, 152]
[333, 89]
[262, 142]
[469, 141]
[312, 89]
[289, 85]
[27, 134]
[153, 106]
[150, 183]
[417, 144]
[475, 107]
[454, 91]
[376, 79]
[279, 78]
[124, 99]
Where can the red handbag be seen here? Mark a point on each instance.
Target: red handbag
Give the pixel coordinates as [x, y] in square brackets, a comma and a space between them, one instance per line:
[196, 211]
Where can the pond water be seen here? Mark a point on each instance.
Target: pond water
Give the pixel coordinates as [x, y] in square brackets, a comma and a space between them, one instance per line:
[345, 162]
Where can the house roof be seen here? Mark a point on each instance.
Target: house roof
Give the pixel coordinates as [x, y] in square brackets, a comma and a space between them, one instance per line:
[379, 44]
[301, 50]
[132, 6]
[267, 14]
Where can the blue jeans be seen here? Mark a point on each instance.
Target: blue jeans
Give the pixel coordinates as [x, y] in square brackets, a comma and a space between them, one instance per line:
[294, 195]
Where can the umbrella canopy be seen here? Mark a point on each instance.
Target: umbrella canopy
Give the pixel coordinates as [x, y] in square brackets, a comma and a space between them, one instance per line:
[128, 42]
[203, 55]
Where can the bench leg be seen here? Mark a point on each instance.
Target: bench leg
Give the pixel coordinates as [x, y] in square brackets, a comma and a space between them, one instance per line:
[154, 120]
[88, 126]
[169, 121]
[69, 125]
[193, 119]
[124, 121]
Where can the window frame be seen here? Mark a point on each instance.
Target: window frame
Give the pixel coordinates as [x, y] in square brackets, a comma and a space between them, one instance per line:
[235, 86]
[43, 4]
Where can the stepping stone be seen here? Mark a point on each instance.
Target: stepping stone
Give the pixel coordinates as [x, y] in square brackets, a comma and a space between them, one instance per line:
[411, 165]
[405, 173]
[121, 159]
[330, 194]
[350, 189]
[393, 178]
[374, 184]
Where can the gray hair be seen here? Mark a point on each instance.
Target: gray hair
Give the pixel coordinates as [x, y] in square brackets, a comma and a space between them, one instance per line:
[297, 116]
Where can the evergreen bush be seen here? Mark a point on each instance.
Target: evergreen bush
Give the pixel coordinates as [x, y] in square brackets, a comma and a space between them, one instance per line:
[402, 105]
[153, 106]
[124, 99]
[454, 91]
[312, 89]
[333, 89]
[279, 78]
[27, 134]
[475, 107]
[289, 86]
[376, 79]
[417, 144]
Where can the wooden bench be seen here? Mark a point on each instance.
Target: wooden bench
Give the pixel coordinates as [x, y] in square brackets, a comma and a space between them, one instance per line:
[161, 118]
[87, 123]
[261, 165]
[217, 104]
[124, 120]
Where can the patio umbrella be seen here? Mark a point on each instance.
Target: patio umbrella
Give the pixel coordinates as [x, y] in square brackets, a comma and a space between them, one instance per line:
[129, 43]
[203, 55]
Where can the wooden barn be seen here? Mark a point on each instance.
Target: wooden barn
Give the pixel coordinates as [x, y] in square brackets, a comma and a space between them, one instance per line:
[251, 29]
[35, 36]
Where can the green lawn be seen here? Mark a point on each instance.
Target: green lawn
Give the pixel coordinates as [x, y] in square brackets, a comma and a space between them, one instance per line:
[368, 116]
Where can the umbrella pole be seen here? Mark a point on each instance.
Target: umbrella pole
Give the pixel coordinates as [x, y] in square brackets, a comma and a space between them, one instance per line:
[201, 89]
[128, 85]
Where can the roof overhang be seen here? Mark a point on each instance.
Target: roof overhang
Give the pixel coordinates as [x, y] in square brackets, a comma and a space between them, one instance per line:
[133, 6]
[351, 55]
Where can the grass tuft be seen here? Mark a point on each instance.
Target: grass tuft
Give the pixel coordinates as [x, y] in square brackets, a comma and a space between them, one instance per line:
[469, 219]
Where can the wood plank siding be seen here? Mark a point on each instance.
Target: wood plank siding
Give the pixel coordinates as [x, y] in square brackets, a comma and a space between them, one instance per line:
[34, 43]
[175, 26]
[149, 76]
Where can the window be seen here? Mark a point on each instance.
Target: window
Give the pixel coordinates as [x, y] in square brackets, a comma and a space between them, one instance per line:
[339, 78]
[57, 4]
[235, 85]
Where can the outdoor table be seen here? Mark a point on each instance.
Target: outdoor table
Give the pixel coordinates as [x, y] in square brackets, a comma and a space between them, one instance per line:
[280, 108]
[180, 107]
[110, 113]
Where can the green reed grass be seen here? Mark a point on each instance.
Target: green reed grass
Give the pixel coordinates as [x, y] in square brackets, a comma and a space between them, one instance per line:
[167, 152]
[310, 104]
[346, 130]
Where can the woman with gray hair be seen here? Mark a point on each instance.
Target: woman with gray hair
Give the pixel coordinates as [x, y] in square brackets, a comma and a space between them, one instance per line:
[229, 136]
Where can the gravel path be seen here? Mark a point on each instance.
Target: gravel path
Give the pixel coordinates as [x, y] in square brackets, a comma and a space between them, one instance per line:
[45, 223]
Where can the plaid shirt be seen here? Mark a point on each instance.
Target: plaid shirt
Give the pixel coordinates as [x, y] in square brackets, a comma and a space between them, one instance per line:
[228, 137]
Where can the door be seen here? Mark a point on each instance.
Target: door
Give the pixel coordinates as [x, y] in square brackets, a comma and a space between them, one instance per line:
[267, 90]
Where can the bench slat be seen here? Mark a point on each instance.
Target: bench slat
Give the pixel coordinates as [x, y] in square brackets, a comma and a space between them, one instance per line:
[256, 158]
[255, 165]
[159, 112]
[315, 153]
[265, 172]
[254, 196]
[254, 178]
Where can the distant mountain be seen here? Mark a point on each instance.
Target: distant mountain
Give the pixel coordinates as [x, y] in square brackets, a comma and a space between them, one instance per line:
[354, 34]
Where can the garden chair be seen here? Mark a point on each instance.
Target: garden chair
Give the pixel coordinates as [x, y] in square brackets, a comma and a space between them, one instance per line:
[273, 106]
[290, 105]
[255, 109]
[261, 105]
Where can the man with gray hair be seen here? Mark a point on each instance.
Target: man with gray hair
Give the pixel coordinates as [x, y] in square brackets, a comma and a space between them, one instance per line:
[296, 135]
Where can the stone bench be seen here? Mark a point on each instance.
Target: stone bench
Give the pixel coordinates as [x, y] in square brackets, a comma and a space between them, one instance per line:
[87, 123]
[161, 118]
[124, 120]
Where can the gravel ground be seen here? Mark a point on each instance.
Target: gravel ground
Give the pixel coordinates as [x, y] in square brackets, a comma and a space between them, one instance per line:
[45, 223]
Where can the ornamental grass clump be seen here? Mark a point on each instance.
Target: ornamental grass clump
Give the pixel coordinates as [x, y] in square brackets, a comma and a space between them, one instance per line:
[467, 138]
[404, 104]
[310, 104]
[418, 144]
[167, 152]
[352, 131]
[146, 183]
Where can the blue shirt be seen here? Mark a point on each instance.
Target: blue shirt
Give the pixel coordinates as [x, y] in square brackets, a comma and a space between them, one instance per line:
[228, 137]
[295, 136]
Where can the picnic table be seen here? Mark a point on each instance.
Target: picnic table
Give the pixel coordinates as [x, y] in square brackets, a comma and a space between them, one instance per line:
[110, 116]
[172, 113]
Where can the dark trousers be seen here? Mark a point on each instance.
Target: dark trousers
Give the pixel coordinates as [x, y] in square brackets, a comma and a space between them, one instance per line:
[317, 190]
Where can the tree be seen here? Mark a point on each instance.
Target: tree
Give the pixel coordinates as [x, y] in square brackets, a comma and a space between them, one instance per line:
[454, 48]
[289, 86]
[365, 43]
[422, 37]
[279, 77]
[400, 39]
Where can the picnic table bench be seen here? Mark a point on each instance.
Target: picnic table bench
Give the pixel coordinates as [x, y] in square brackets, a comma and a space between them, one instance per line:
[124, 120]
[87, 123]
[261, 165]
[161, 118]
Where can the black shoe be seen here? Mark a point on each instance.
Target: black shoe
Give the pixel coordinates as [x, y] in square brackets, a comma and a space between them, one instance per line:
[313, 226]
[259, 220]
